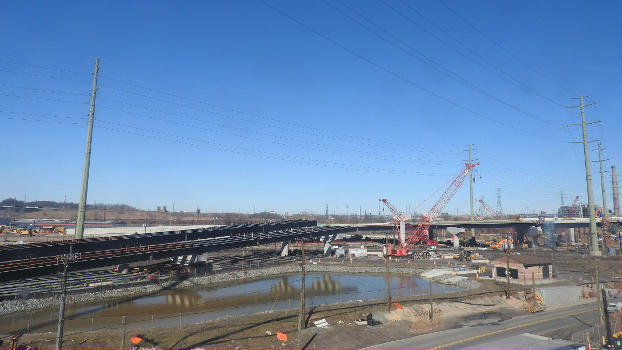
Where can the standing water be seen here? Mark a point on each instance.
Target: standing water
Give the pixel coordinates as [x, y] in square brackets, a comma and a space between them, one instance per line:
[169, 308]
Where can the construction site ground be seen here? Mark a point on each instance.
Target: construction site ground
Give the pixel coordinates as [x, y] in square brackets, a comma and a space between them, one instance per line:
[463, 308]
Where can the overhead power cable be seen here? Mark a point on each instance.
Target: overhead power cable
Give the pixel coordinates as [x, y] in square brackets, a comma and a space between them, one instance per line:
[260, 120]
[403, 78]
[418, 55]
[196, 142]
[502, 73]
[277, 140]
[498, 45]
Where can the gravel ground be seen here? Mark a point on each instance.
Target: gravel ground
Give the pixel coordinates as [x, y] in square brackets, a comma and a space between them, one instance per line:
[20, 305]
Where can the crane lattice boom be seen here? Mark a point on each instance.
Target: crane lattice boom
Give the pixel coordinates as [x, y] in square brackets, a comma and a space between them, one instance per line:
[420, 234]
[492, 212]
[397, 215]
[573, 207]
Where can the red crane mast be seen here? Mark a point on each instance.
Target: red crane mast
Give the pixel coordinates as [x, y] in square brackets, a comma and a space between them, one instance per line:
[420, 234]
[573, 208]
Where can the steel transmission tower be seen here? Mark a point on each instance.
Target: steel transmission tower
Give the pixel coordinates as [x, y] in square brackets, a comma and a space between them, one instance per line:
[499, 206]
[602, 180]
[470, 161]
[87, 160]
[588, 176]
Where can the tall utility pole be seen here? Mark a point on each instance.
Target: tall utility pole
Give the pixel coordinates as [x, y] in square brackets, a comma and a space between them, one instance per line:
[301, 311]
[388, 276]
[499, 206]
[507, 266]
[63, 296]
[87, 160]
[614, 185]
[588, 177]
[602, 180]
[469, 149]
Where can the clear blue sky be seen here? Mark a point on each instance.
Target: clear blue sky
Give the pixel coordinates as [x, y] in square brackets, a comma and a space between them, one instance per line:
[289, 106]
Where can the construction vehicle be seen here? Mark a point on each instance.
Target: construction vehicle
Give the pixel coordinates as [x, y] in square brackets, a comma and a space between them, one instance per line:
[24, 232]
[502, 244]
[410, 236]
[468, 255]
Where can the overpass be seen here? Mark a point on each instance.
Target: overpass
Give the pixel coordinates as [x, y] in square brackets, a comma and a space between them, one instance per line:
[36, 259]
[520, 225]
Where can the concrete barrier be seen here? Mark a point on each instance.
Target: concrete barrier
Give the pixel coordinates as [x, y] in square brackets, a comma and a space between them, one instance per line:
[561, 295]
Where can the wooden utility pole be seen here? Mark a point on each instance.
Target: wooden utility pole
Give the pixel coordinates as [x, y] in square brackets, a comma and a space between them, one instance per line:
[79, 234]
[600, 302]
[388, 277]
[507, 269]
[301, 312]
[61, 310]
[431, 301]
[123, 325]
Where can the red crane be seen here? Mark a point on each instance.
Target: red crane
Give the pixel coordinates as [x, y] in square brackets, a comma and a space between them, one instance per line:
[492, 212]
[573, 208]
[397, 215]
[419, 235]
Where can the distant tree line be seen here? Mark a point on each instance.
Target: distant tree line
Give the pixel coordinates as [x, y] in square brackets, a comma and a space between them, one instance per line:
[17, 204]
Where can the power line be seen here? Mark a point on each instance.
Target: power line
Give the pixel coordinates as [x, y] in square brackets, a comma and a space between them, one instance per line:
[44, 90]
[56, 77]
[43, 98]
[401, 77]
[410, 50]
[326, 148]
[496, 43]
[191, 141]
[505, 75]
[305, 128]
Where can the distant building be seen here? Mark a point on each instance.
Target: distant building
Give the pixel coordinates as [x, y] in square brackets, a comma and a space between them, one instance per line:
[565, 212]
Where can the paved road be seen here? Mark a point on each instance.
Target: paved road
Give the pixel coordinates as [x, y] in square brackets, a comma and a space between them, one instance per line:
[545, 323]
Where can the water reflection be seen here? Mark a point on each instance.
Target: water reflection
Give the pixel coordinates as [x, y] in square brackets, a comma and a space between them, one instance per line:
[205, 303]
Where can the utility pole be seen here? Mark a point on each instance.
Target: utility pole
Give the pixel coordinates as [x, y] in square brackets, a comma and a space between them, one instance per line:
[386, 264]
[602, 181]
[507, 268]
[588, 177]
[469, 149]
[63, 297]
[499, 206]
[79, 234]
[614, 184]
[301, 311]
[600, 303]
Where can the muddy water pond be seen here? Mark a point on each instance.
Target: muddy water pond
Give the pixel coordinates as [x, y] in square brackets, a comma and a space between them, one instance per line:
[171, 308]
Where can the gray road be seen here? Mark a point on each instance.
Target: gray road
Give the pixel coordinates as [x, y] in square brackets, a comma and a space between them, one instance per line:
[549, 323]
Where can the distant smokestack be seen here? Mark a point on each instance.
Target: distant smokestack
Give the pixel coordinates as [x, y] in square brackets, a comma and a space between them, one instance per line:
[614, 181]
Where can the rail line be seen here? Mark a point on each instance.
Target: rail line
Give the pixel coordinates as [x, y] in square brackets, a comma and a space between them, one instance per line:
[32, 267]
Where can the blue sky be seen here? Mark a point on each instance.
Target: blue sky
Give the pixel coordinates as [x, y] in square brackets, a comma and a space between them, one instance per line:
[291, 105]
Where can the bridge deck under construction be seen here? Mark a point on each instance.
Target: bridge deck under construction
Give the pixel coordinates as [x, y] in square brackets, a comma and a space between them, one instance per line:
[39, 259]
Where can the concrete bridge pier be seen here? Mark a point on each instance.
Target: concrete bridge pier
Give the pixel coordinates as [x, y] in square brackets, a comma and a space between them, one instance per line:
[285, 248]
[571, 235]
[327, 240]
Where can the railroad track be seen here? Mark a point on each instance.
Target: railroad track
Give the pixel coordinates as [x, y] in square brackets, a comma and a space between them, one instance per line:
[96, 280]
[31, 267]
